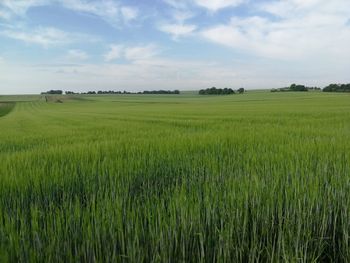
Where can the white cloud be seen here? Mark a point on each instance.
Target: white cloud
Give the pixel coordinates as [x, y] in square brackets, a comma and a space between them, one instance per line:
[77, 54]
[129, 13]
[181, 16]
[131, 53]
[108, 10]
[19, 7]
[176, 25]
[211, 5]
[183, 11]
[45, 36]
[141, 52]
[105, 9]
[215, 5]
[115, 52]
[4, 15]
[177, 30]
[305, 29]
[177, 4]
[293, 8]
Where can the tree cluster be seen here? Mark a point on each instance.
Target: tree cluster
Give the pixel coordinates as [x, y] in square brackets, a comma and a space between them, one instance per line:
[337, 88]
[295, 87]
[55, 92]
[329, 88]
[215, 91]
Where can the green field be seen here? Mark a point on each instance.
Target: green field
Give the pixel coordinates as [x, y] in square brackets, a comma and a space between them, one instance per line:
[6, 108]
[258, 177]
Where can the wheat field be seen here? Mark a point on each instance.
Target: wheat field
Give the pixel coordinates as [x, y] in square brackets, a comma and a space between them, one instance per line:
[258, 177]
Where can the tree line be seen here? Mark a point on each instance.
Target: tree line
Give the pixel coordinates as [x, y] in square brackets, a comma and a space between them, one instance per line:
[210, 91]
[329, 88]
[337, 88]
[160, 92]
[101, 92]
[295, 87]
[216, 91]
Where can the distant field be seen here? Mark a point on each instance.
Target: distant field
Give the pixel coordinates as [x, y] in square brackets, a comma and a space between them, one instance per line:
[20, 98]
[258, 177]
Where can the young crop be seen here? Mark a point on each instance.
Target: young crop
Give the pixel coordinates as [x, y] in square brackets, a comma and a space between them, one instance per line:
[6, 107]
[257, 178]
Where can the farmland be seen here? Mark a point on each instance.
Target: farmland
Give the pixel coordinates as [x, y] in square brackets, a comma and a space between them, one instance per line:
[175, 178]
[5, 108]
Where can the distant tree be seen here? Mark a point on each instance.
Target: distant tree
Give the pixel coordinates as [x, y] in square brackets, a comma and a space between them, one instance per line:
[227, 91]
[53, 92]
[241, 90]
[295, 87]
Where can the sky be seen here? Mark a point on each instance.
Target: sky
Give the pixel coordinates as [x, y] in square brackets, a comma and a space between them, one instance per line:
[135, 45]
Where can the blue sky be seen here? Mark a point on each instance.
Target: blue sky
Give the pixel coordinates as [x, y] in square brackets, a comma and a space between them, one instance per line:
[134, 45]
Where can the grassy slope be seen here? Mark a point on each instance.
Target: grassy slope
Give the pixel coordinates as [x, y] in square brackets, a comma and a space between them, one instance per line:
[260, 176]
